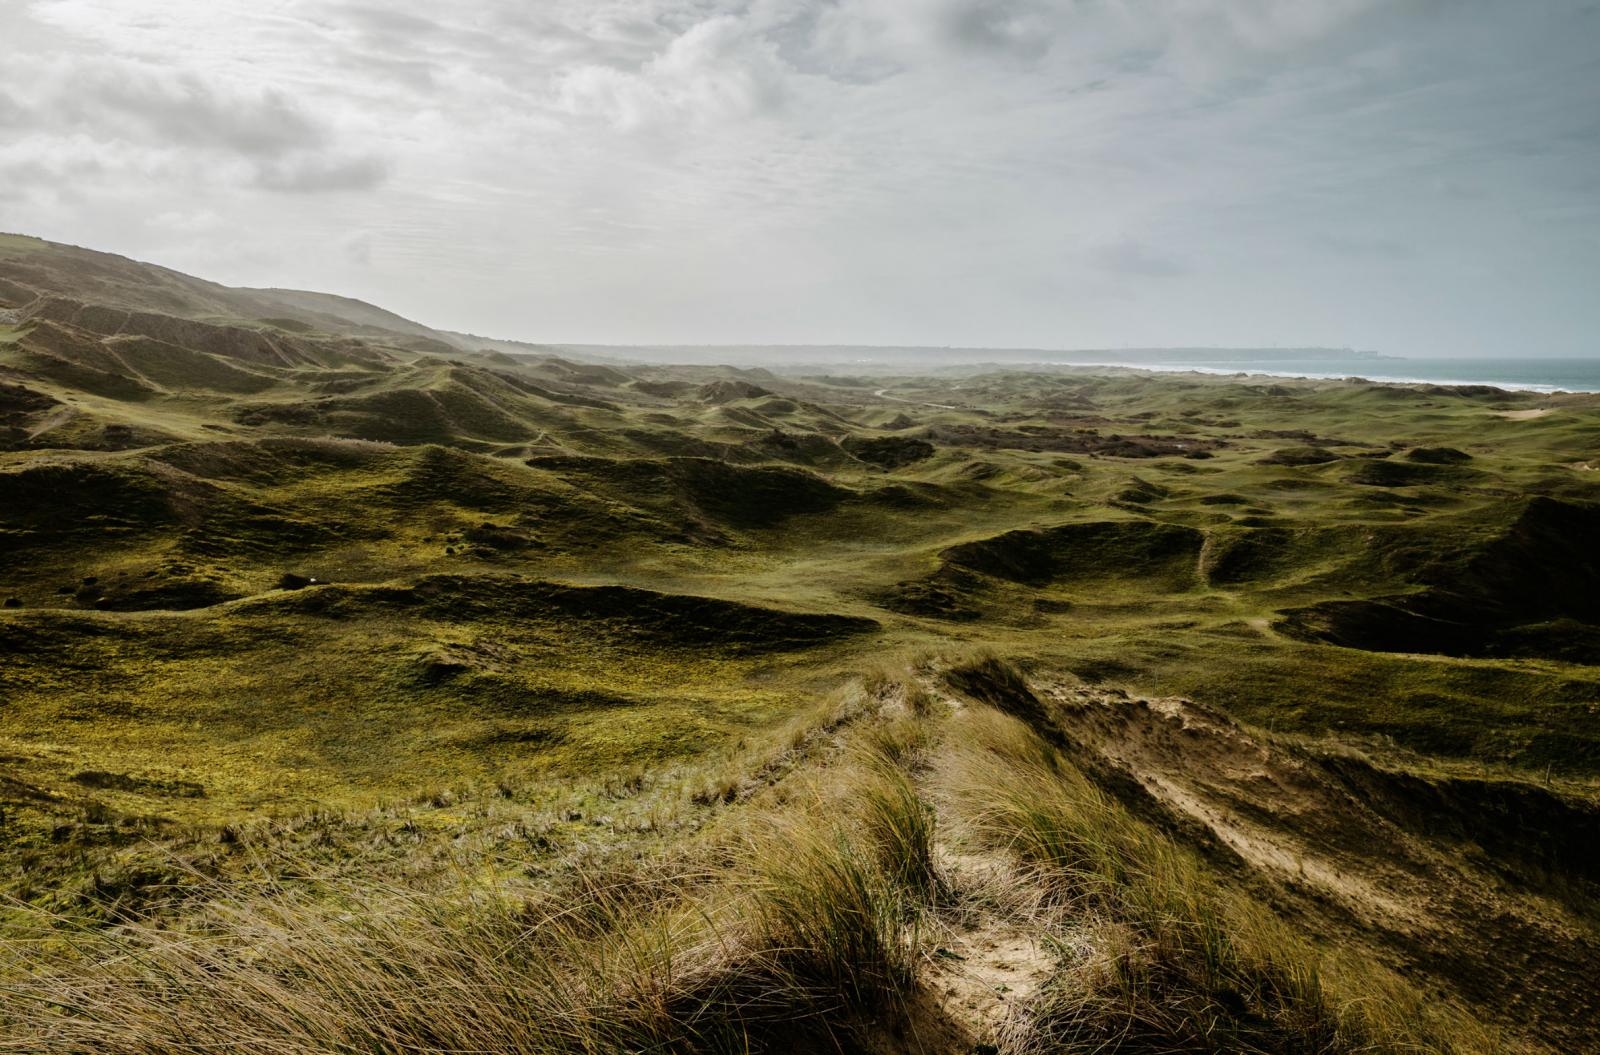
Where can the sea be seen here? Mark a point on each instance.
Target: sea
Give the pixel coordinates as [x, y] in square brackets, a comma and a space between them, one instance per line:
[1530, 374]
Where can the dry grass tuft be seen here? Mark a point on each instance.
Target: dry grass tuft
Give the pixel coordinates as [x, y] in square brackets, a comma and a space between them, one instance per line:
[799, 922]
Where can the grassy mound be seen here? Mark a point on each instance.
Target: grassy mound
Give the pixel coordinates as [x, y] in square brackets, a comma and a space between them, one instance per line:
[724, 391]
[1525, 831]
[1532, 589]
[731, 495]
[1158, 556]
[667, 618]
[45, 505]
[270, 462]
[1300, 456]
[1438, 456]
[1372, 472]
[74, 361]
[890, 452]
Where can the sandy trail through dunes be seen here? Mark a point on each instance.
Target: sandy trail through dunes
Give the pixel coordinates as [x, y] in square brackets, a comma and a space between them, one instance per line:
[883, 393]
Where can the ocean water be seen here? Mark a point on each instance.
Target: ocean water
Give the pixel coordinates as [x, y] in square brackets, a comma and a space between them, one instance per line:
[1533, 375]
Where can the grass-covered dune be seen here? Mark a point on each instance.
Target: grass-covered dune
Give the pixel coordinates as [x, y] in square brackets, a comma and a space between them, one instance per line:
[362, 689]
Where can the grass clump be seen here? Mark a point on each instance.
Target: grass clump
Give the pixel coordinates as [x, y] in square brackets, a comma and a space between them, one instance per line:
[901, 826]
[831, 916]
[390, 971]
[800, 928]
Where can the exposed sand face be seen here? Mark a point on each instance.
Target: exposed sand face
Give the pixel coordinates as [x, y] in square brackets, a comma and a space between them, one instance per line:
[1522, 415]
[1301, 824]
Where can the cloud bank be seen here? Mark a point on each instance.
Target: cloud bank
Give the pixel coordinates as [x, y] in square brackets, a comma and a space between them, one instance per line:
[1408, 176]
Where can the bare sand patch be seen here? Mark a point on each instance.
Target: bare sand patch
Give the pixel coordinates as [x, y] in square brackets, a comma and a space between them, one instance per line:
[1523, 415]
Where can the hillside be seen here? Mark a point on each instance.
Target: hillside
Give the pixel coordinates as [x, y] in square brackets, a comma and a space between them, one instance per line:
[34, 273]
[364, 687]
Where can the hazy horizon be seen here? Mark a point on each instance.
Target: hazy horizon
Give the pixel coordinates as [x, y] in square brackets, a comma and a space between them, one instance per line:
[1413, 179]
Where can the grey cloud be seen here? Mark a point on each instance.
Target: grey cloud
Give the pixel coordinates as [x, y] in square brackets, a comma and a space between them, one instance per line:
[1129, 257]
[1372, 247]
[416, 75]
[358, 248]
[31, 189]
[399, 27]
[866, 40]
[313, 173]
[20, 179]
[86, 119]
[185, 110]
[395, 45]
[1004, 26]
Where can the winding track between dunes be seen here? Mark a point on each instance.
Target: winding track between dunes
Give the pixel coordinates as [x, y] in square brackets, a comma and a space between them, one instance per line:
[883, 393]
[56, 417]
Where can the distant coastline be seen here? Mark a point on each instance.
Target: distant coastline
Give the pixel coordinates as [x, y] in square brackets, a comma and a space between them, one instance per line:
[1531, 375]
[1516, 374]
[938, 355]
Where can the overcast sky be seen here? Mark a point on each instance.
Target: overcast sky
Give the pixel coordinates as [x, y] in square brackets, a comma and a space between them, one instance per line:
[1418, 178]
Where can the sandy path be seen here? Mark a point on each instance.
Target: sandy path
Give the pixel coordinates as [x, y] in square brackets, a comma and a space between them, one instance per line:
[991, 962]
[59, 416]
[883, 393]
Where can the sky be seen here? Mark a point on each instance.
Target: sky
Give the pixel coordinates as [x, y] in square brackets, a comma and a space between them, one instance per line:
[1414, 177]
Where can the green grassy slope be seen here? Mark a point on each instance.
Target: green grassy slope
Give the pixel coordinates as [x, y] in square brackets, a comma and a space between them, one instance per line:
[272, 569]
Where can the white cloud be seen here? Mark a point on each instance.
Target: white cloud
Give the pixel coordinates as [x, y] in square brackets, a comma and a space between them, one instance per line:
[80, 115]
[715, 71]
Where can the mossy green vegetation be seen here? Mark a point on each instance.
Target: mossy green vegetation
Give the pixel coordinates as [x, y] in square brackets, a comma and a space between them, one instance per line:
[867, 896]
[305, 603]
